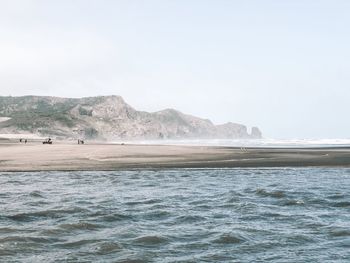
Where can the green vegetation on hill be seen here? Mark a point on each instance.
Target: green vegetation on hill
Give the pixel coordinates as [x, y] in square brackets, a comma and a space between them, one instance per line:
[106, 117]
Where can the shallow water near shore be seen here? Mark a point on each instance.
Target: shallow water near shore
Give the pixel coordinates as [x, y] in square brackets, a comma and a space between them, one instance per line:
[183, 215]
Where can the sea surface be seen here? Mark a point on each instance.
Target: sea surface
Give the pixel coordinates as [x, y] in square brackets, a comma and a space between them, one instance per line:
[185, 215]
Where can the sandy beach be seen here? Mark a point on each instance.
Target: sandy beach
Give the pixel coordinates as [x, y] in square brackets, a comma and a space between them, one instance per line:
[69, 156]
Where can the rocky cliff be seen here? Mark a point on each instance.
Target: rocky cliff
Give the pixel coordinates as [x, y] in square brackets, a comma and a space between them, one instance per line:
[106, 117]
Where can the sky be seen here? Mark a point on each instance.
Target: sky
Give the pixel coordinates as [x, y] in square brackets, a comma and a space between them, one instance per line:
[280, 65]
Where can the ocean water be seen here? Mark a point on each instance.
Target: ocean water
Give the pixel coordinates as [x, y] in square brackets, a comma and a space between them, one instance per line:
[185, 215]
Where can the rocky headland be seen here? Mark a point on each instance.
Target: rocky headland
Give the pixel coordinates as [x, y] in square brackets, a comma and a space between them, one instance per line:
[107, 118]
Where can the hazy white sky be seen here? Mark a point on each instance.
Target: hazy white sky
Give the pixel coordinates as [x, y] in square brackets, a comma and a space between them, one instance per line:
[281, 65]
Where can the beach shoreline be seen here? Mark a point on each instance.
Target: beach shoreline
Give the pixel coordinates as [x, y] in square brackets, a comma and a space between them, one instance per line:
[66, 156]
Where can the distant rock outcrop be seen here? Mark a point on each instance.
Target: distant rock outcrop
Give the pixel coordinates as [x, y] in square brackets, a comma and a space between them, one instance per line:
[256, 133]
[109, 118]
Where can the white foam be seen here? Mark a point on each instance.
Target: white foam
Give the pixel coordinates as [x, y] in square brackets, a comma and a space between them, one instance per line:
[2, 119]
[20, 136]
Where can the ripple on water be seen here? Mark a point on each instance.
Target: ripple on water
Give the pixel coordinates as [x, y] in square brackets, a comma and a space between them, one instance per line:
[49, 213]
[194, 215]
[156, 215]
[151, 240]
[229, 239]
[292, 202]
[77, 243]
[104, 248]
[234, 199]
[143, 202]
[337, 231]
[274, 194]
[132, 261]
[341, 204]
[80, 226]
[115, 217]
[337, 196]
[36, 194]
[188, 219]
[26, 239]
[10, 230]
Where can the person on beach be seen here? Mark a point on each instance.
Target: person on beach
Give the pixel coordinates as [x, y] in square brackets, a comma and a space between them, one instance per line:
[25, 141]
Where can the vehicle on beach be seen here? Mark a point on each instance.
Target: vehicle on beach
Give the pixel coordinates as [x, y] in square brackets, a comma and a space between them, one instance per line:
[47, 141]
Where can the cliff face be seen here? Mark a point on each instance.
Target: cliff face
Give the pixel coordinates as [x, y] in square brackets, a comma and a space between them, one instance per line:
[108, 117]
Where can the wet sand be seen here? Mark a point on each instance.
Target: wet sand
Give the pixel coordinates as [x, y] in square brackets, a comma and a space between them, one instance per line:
[69, 157]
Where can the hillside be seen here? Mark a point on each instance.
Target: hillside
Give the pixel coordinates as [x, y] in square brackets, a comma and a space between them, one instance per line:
[106, 118]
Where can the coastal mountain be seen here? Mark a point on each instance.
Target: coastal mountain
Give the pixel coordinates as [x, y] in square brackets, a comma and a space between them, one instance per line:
[107, 118]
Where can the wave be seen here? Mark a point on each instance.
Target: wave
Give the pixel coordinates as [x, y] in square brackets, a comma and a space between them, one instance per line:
[229, 239]
[76, 244]
[26, 239]
[275, 194]
[108, 247]
[189, 219]
[115, 217]
[162, 216]
[151, 240]
[80, 226]
[51, 213]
